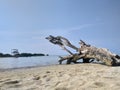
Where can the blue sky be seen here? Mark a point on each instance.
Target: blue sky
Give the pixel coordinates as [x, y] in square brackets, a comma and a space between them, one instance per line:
[24, 24]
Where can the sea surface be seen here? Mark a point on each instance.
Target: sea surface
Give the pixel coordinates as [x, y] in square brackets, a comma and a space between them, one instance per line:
[9, 63]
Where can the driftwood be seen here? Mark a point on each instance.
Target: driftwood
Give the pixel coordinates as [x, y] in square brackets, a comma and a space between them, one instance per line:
[86, 52]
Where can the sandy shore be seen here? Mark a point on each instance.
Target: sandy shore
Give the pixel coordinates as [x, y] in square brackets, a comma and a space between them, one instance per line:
[62, 77]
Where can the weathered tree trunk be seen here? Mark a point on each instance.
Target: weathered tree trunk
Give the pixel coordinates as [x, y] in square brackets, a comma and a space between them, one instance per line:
[85, 52]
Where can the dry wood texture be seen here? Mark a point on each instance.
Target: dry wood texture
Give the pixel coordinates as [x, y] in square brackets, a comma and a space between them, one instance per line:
[86, 52]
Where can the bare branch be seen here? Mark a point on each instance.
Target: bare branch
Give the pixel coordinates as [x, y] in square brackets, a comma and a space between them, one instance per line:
[86, 52]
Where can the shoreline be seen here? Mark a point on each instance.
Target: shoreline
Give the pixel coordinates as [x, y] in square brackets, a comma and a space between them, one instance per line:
[89, 76]
[37, 66]
[27, 67]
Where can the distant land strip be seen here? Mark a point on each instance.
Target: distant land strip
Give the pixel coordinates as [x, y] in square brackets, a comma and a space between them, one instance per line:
[23, 55]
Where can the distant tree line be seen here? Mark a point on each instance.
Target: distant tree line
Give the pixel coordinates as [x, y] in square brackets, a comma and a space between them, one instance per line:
[22, 55]
[5, 55]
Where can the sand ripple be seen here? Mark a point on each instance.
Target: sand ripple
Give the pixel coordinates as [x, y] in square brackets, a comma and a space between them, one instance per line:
[62, 77]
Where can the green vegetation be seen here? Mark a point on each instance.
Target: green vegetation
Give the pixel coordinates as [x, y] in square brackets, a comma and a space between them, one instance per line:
[21, 55]
[5, 55]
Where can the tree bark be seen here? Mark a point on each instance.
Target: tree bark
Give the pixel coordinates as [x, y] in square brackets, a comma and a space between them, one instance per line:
[85, 52]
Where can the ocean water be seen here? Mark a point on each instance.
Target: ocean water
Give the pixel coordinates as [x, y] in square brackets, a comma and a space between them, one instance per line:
[8, 63]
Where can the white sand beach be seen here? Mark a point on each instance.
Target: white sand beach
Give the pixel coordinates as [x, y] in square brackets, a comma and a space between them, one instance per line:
[62, 77]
